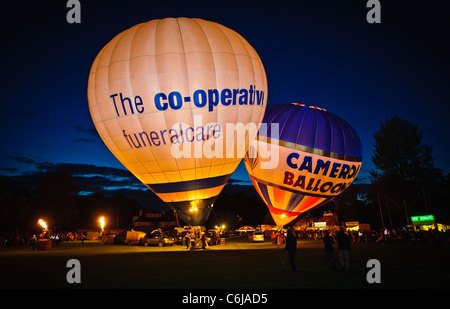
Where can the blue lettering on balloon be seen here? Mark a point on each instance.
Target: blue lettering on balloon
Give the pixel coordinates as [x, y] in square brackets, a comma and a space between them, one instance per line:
[200, 98]
[289, 160]
[127, 104]
[211, 98]
[335, 169]
[158, 98]
[320, 165]
[175, 100]
[307, 164]
[225, 97]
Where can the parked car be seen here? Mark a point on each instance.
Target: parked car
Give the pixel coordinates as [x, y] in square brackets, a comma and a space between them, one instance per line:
[256, 236]
[157, 238]
[107, 238]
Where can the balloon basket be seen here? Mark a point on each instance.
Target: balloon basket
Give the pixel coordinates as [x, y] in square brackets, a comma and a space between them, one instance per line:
[44, 244]
[192, 246]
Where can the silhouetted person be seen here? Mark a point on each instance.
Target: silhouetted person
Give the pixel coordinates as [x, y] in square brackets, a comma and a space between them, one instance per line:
[203, 239]
[32, 241]
[344, 245]
[329, 250]
[187, 239]
[291, 248]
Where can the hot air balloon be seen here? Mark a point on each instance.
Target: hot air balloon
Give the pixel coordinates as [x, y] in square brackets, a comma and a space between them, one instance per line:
[161, 95]
[318, 155]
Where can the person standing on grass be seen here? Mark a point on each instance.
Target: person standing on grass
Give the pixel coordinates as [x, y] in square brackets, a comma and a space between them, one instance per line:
[344, 245]
[203, 240]
[328, 241]
[32, 242]
[291, 248]
[187, 239]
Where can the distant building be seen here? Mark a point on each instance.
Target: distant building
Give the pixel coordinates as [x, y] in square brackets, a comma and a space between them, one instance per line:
[327, 221]
[153, 219]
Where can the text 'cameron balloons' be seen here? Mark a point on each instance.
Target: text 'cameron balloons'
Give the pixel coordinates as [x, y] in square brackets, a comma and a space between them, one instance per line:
[314, 154]
[163, 95]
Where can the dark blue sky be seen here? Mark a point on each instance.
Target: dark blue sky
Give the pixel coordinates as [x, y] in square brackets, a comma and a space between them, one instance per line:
[317, 52]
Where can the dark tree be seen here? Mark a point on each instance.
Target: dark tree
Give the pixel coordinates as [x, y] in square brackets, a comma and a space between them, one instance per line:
[404, 167]
[117, 210]
[14, 209]
[347, 204]
[398, 151]
[55, 200]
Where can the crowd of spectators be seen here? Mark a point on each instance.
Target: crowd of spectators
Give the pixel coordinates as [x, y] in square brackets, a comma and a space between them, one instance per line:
[16, 239]
[411, 237]
[403, 236]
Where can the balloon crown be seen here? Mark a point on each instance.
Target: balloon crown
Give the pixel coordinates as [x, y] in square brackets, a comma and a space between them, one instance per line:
[313, 107]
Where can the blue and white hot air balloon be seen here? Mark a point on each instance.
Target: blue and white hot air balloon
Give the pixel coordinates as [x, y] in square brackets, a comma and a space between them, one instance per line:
[319, 156]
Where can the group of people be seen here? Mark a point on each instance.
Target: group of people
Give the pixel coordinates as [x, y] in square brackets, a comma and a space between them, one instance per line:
[17, 240]
[401, 236]
[343, 241]
[191, 239]
[419, 238]
[12, 240]
[344, 244]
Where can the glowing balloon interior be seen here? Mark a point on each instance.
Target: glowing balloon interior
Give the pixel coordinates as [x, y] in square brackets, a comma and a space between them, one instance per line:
[161, 95]
[319, 156]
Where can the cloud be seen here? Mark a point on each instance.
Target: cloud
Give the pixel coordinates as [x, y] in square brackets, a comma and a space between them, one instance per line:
[93, 178]
[83, 129]
[90, 131]
[16, 164]
[84, 140]
[9, 169]
[84, 170]
[23, 160]
[233, 181]
[88, 178]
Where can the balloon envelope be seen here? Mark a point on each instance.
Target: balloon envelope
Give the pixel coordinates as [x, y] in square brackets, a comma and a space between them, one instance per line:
[161, 95]
[316, 154]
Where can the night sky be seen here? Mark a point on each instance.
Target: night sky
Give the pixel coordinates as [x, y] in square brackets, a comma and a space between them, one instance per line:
[318, 52]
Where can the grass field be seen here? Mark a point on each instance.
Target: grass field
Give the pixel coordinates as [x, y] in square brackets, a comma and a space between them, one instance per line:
[235, 265]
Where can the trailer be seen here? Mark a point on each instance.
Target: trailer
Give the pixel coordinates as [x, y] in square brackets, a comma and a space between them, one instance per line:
[129, 237]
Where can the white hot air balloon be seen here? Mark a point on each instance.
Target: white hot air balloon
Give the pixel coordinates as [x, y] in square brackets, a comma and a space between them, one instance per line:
[161, 95]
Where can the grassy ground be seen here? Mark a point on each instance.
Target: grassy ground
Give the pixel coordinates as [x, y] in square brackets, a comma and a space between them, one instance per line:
[235, 265]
